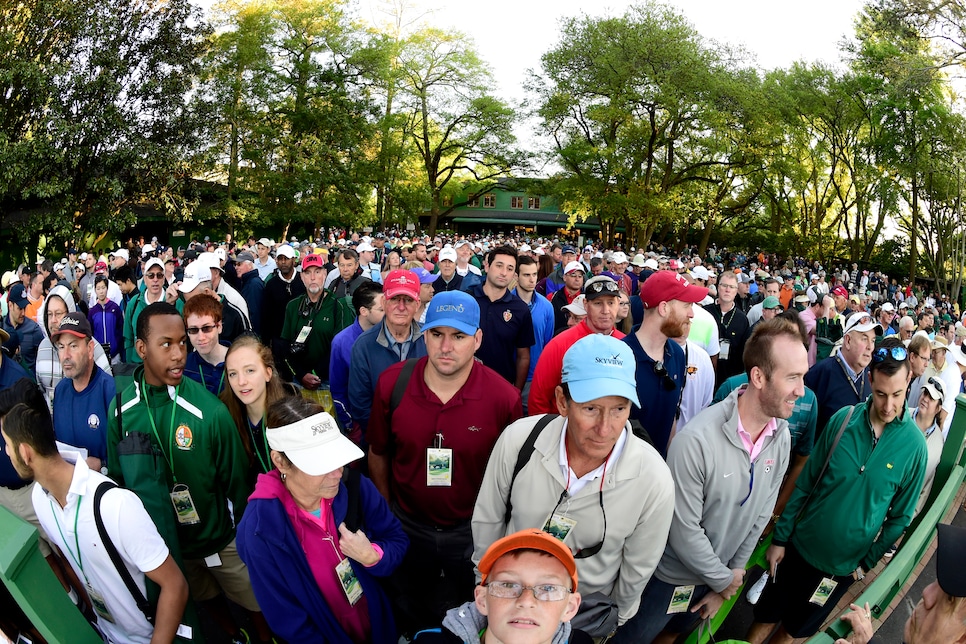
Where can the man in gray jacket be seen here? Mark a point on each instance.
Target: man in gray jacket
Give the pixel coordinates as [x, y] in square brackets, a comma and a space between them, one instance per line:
[587, 479]
[727, 464]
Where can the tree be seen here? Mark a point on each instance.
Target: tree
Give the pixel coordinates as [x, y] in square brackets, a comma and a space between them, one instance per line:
[640, 110]
[93, 117]
[459, 128]
[294, 121]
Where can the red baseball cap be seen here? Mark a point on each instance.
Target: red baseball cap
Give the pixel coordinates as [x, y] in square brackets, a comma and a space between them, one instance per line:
[312, 260]
[401, 282]
[840, 291]
[664, 286]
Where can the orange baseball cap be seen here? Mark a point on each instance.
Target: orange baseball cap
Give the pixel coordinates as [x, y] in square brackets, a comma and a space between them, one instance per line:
[530, 539]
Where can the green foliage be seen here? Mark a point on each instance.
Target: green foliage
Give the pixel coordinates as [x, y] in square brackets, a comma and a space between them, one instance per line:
[93, 119]
[640, 110]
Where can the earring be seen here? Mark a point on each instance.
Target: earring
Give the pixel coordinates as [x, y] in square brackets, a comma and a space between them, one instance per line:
[283, 477]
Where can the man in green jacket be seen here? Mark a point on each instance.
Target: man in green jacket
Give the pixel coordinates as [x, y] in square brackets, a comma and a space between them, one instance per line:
[203, 461]
[837, 525]
[309, 327]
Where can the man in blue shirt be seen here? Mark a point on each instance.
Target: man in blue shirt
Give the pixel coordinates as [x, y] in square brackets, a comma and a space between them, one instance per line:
[541, 313]
[504, 319]
[667, 298]
[82, 397]
[367, 300]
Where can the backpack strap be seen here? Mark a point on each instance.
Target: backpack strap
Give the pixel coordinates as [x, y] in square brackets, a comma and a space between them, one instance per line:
[353, 515]
[526, 451]
[399, 389]
[141, 601]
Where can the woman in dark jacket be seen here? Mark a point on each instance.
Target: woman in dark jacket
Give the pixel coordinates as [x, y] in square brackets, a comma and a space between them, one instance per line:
[314, 577]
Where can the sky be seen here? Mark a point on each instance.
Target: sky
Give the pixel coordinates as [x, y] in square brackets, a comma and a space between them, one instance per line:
[511, 35]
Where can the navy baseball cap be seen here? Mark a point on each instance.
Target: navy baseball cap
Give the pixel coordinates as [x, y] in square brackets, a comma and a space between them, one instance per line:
[597, 366]
[18, 295]
[455, 309]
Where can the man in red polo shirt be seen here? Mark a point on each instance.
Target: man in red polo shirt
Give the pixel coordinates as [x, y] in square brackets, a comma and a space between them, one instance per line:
[428, 456]
[602, 301]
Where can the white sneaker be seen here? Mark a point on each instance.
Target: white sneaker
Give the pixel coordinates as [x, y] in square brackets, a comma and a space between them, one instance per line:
[754, 593]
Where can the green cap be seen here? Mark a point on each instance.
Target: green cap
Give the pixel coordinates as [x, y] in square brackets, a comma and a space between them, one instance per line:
[770, 302]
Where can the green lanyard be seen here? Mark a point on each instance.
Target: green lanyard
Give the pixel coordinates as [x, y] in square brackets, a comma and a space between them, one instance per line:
[221, 381]
[251, 432]
[78, 557]
[154, 428]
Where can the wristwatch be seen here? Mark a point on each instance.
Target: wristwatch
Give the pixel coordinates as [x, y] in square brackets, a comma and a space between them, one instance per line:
[858, 574]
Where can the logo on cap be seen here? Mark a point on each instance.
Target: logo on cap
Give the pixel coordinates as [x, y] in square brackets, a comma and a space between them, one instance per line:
[321, 428]
[69, 321]
[449, 308]
[614, 361]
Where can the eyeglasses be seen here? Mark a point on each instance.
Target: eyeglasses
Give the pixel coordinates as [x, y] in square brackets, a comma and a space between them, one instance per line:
[512, 590]
[661, 372]
[897, 353]
[206, 329]
[153, 276]
[603, 285]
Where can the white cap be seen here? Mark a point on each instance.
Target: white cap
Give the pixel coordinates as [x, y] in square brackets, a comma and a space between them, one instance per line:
[573, 266]
[365, 247]
[447, 253]
[148, 248]
[221, 255]
[577, 306]
[265, 241]
[619, 258]
[314, 444]
[285, 251]
[195, 273]
[862, 322]
[120, 252]
[651, 263]
[639, 261]
[154, 261]
[525, 248]
[699, 272]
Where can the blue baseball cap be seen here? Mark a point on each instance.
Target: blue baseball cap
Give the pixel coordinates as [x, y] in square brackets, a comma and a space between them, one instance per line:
[597, 366]
[457, 310]
[425, 277]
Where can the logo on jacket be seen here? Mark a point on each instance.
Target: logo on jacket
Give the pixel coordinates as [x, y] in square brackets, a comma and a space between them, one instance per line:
[183, 437]
[507, 316]
[93, 422]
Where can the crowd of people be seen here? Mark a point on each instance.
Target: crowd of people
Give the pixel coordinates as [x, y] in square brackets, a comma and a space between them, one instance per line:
[369, 439]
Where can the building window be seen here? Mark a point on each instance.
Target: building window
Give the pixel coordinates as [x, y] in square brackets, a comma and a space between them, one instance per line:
[516, 203]
[473, 203]
[533, 203]
[489, 200]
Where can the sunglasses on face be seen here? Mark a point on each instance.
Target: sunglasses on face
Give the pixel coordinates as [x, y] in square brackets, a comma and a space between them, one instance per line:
[206, 329]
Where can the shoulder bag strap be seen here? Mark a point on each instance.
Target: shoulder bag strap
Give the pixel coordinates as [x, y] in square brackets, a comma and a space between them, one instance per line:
[399, 389]
[828, 459]
[526, 451]
[141, 601]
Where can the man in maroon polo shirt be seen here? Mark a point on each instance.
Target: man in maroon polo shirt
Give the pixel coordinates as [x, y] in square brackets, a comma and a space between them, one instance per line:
[428, 456]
